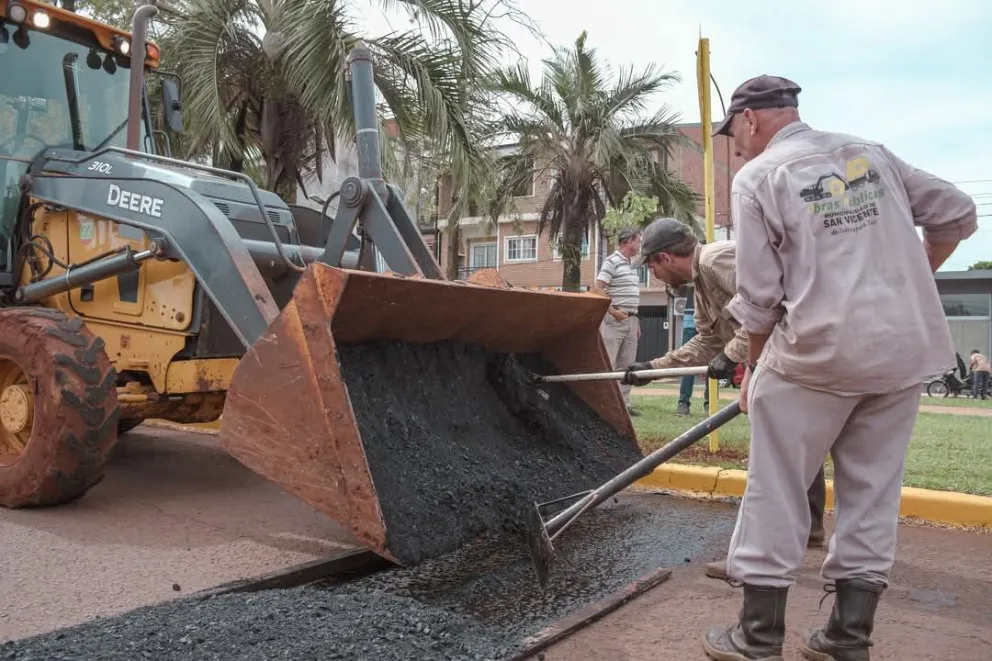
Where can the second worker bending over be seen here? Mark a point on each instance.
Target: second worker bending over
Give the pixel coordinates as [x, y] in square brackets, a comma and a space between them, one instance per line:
[675, 257]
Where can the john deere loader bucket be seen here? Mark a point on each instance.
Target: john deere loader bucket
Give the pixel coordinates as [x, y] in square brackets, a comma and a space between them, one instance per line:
[403, 409]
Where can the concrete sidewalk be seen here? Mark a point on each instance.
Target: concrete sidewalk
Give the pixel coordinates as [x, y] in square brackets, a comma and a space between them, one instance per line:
[937, 608]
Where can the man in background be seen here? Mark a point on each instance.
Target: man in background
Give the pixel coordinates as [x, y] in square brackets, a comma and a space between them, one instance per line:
[689, 382]
[620, 328]
[980, 370]
[676, 258]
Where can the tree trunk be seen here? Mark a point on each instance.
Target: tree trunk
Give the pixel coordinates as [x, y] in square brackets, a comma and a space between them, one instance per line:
[454, 232]
[69, 5]
[570, 245]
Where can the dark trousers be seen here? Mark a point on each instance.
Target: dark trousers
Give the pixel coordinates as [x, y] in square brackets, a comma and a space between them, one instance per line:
[979, 382]
[688, 382]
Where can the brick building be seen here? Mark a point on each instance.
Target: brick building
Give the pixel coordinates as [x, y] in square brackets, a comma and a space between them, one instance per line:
[527, 260]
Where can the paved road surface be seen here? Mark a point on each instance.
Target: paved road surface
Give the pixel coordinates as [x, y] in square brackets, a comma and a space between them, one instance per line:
[173, 509]
[176, 509]
[937, 608]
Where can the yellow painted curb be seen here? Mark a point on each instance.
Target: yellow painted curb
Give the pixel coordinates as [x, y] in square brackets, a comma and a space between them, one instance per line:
[946, 507]
[697, 479]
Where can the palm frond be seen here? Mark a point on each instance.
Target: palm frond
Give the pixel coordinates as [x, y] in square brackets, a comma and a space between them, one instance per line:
[514, 85]
[628, 98]
[593, 132]
[317, 38]
[676, 199]
[214, 53]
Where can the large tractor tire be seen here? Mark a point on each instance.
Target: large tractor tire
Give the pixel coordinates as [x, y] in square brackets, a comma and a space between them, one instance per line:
[58, 407]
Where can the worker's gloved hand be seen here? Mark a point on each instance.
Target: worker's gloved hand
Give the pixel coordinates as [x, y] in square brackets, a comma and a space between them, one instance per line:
[631, 380]
[721, 367]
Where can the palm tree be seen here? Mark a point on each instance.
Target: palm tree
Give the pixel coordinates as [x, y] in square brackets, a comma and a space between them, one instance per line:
[265, 79]
[590, 133]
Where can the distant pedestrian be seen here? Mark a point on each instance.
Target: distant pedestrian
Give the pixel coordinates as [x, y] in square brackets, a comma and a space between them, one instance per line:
[836, 292]
[684, 407]
[621, 328]
[980, 372]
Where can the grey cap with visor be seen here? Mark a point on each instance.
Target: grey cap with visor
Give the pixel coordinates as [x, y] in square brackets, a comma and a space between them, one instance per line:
[662, 234]
[757, 94]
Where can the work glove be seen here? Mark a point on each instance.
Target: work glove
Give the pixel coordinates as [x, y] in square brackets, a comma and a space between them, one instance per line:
[721, 367]
[630, 379]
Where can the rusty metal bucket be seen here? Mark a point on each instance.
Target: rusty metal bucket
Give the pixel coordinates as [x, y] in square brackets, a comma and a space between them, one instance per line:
[289, 412]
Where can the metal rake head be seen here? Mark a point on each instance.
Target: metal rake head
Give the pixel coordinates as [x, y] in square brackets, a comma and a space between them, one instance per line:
[539, 543]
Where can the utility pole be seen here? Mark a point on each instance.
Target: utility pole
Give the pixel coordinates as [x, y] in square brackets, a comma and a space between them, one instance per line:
[703, 82]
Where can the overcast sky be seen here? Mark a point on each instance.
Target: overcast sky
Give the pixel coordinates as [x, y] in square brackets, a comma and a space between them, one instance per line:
[915, 75]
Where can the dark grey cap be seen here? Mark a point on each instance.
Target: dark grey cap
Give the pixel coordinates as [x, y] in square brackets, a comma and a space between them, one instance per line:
[660, 235]
[760, 93]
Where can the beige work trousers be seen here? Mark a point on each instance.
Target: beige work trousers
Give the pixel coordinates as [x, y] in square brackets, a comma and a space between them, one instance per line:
[620, 338]
[792, 430]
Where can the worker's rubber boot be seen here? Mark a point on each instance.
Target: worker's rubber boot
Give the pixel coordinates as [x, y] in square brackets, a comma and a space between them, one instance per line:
[759, 633]
[847, 636]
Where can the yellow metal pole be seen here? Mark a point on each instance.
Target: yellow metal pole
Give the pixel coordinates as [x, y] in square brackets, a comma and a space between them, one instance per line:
[703, 82]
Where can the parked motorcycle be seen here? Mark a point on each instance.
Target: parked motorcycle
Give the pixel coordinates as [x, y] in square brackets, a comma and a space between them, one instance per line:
[950, 383]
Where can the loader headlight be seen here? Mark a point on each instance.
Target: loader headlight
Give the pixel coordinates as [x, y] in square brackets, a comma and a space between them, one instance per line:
[16, 12]
[41, 20]
[122, 45]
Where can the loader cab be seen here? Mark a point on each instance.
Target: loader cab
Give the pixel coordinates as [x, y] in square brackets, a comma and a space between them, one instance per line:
[64, 84]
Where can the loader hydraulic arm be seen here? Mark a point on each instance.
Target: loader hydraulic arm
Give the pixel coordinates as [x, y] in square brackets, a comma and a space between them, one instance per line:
[367, 199]
[212, 247]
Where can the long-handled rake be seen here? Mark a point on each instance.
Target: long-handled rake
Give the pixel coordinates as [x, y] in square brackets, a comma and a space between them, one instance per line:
[541, 534]
[658, 374]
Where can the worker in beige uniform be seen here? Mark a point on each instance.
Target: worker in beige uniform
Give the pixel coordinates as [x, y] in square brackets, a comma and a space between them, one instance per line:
[676, 258]
[835, 289]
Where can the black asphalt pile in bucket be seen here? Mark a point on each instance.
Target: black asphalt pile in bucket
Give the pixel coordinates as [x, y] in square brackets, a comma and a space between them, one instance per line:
[460, 442]
[476, 604]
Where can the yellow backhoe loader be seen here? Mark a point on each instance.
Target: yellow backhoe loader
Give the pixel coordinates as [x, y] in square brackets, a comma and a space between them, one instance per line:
[137, 286]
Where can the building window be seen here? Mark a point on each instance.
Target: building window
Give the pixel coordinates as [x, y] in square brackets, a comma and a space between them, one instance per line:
[556, 256]
[643, 276]
[483, 255]
[967, 305]
[521, 248]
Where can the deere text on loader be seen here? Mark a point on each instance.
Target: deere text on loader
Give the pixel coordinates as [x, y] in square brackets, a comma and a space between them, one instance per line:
[139, 286]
